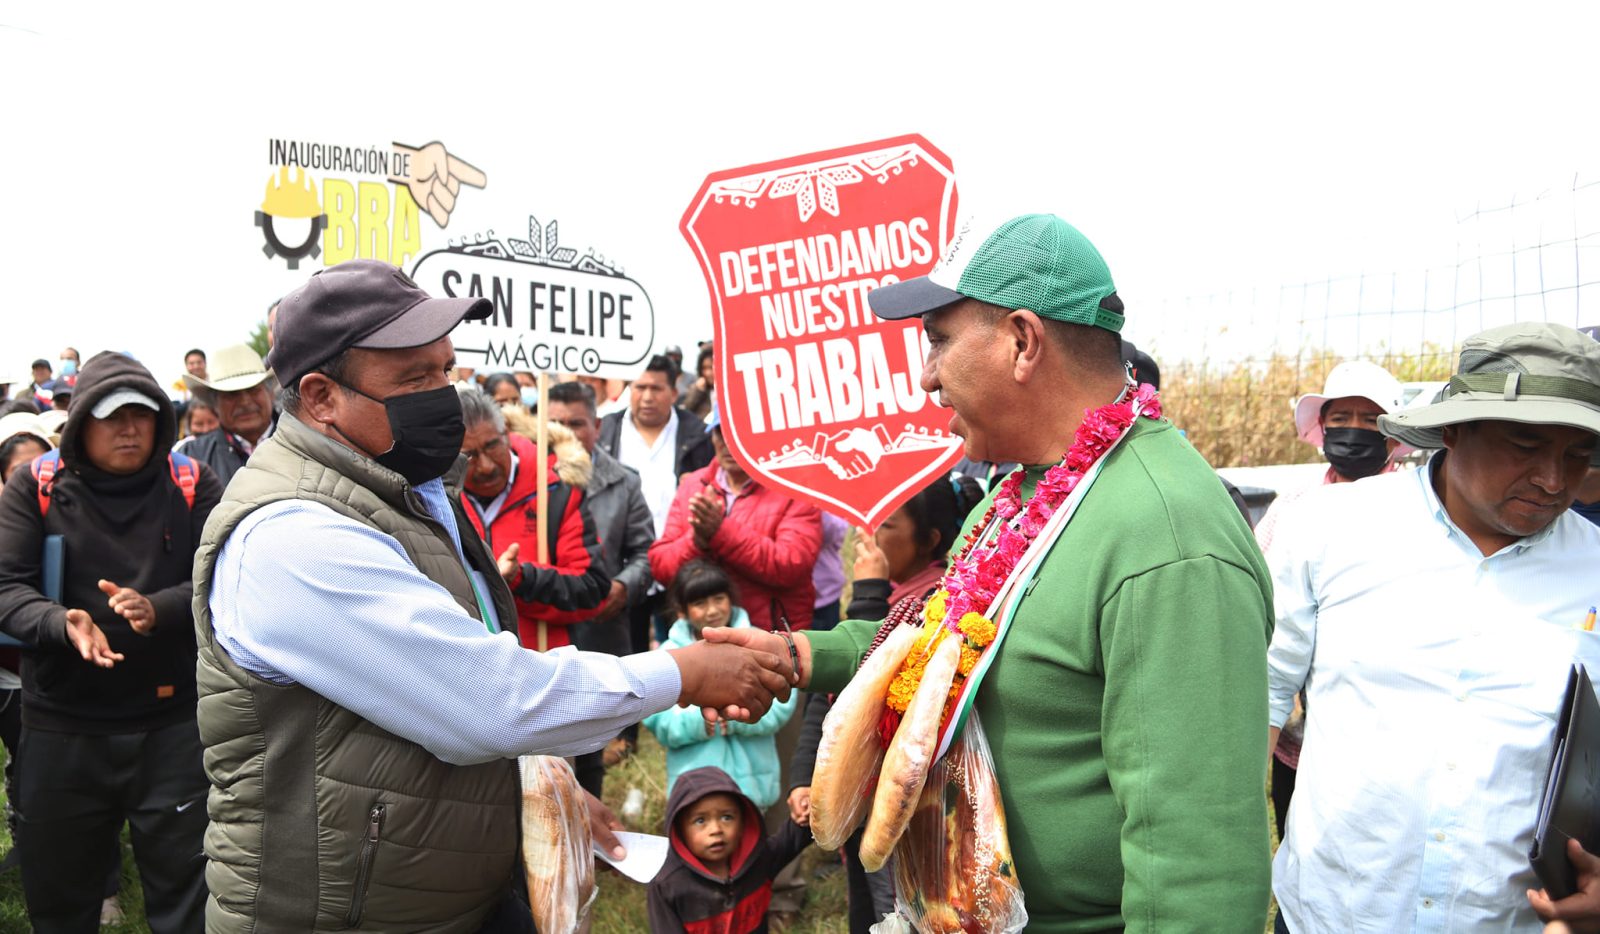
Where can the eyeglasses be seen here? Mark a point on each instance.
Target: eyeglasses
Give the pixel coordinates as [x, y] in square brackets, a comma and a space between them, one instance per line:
[488, 449]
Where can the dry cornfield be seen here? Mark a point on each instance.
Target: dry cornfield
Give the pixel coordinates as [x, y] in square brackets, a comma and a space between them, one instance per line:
[1239, 414]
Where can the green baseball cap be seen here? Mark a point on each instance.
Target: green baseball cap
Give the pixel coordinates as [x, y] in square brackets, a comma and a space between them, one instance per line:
[1036, 261]
[1533, 372]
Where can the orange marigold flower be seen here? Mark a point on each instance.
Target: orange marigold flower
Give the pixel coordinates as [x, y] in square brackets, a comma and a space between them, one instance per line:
[978, 630]
[902, 688]
[969, 661]
[934, 611]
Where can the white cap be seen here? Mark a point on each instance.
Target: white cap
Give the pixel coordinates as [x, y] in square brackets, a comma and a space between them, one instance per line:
[1353, 378]
[53, 420]
[18, 423]
[121, 397]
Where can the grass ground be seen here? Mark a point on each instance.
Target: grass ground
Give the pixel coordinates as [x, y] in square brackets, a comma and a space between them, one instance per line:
[620, 908]
[14, 913]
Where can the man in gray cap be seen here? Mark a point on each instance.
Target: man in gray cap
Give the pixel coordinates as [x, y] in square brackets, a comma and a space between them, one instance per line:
[363, 693]
[1435, 655]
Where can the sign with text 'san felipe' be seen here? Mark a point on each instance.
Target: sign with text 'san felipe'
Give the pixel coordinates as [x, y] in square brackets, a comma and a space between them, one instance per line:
[818, 397]
[554, 309]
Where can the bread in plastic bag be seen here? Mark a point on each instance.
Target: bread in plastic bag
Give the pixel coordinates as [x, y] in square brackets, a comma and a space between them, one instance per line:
[850, 753]
[906, 763]
[557, 845]
[953, 870]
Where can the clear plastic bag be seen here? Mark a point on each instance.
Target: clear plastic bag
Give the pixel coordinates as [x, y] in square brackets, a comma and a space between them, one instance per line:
[557, 845]
[953, 870]
[850, 752]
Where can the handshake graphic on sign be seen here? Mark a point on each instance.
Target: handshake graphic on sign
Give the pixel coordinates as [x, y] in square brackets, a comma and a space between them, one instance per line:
[853, 452]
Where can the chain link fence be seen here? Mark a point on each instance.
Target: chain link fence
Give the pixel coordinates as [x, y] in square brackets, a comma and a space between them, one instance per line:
[1246, 355]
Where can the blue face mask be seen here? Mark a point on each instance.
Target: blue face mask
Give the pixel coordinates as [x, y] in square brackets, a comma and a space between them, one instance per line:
[530, 397]
[69, 367]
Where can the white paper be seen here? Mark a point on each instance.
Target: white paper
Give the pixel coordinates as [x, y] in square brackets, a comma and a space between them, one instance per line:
[646, 853]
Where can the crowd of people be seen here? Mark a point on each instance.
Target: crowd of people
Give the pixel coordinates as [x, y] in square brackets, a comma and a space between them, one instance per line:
[292, 619]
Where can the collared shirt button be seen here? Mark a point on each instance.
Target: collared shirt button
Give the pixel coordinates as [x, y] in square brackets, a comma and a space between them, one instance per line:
[1450, 765]
[1427, 903]
[1439, 836]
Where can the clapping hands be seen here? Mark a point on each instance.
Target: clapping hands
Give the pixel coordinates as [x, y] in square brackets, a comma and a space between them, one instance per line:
[90, 640]
[705, 517]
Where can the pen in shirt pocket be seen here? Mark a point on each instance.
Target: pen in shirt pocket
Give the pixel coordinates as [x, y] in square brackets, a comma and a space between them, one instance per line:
[1588, 621]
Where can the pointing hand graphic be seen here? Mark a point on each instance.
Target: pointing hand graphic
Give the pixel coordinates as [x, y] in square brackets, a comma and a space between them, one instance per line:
[435, 178]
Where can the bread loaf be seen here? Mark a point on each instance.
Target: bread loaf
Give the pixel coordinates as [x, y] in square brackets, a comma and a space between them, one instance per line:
[849, 753]
[906, 763]
[557, 845]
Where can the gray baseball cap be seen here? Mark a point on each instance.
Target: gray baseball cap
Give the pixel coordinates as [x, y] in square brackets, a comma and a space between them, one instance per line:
[1533, 372]
[360, 303]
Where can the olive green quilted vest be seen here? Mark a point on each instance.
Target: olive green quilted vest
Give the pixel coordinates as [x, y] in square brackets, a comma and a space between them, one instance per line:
[321, 820]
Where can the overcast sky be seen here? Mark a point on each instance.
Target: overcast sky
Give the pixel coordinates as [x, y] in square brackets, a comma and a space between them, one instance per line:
[1203, 147]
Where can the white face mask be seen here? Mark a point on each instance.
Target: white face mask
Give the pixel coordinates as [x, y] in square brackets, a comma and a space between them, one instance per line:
[69, 367]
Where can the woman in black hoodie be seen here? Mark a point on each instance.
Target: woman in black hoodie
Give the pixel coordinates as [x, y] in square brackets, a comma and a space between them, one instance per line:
[108, 715]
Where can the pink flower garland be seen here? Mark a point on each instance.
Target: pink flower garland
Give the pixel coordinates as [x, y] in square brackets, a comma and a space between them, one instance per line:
[977, 575]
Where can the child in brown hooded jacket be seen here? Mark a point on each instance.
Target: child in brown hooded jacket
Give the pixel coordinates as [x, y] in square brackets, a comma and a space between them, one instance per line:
[718, 877]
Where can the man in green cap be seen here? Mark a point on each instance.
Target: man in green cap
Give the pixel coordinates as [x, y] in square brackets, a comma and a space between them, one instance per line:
[1120, 706]
[1435, 656]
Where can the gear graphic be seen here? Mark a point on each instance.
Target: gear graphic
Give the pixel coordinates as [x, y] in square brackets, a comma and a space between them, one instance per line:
[286, 197]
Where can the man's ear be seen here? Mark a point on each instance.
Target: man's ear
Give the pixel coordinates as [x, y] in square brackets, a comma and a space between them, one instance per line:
[1024, 332]
[317, 398]
[1451, 435]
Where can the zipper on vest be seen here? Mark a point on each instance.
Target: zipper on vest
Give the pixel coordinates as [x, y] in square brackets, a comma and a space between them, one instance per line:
[369, 853]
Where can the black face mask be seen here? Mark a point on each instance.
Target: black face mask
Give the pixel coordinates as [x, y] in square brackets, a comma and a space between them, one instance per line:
[427, 428]
[1355, 452]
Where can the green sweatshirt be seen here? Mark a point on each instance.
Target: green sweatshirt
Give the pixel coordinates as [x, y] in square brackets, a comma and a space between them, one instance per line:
[1126, 709]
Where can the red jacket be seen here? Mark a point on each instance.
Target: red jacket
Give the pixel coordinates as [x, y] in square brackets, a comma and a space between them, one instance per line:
[768, 544]
[575, 583]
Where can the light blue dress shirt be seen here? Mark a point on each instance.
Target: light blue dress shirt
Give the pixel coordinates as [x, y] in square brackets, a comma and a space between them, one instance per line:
[303, 595]
[1433, 676]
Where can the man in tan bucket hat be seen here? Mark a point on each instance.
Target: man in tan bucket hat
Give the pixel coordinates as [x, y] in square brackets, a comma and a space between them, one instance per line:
[243, 390]
[1435, 655]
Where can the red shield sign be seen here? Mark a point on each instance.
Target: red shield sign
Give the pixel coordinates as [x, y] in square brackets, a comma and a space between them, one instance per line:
[818, 397]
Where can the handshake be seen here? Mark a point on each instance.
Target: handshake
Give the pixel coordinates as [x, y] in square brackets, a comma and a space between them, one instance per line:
[853, 452]
[734, 674]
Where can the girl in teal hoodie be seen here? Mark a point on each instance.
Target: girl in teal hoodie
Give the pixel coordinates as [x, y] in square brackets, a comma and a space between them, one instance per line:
[703, 596]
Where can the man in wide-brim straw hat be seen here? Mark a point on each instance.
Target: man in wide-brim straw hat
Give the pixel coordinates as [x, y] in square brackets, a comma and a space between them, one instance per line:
[1441, 647]
[243, 390]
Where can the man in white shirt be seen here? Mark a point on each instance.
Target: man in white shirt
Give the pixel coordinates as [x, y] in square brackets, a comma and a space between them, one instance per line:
[656, 437]
[1435, 654]
[662, 442]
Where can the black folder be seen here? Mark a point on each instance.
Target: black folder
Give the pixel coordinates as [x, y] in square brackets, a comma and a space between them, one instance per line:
[1571, 801]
